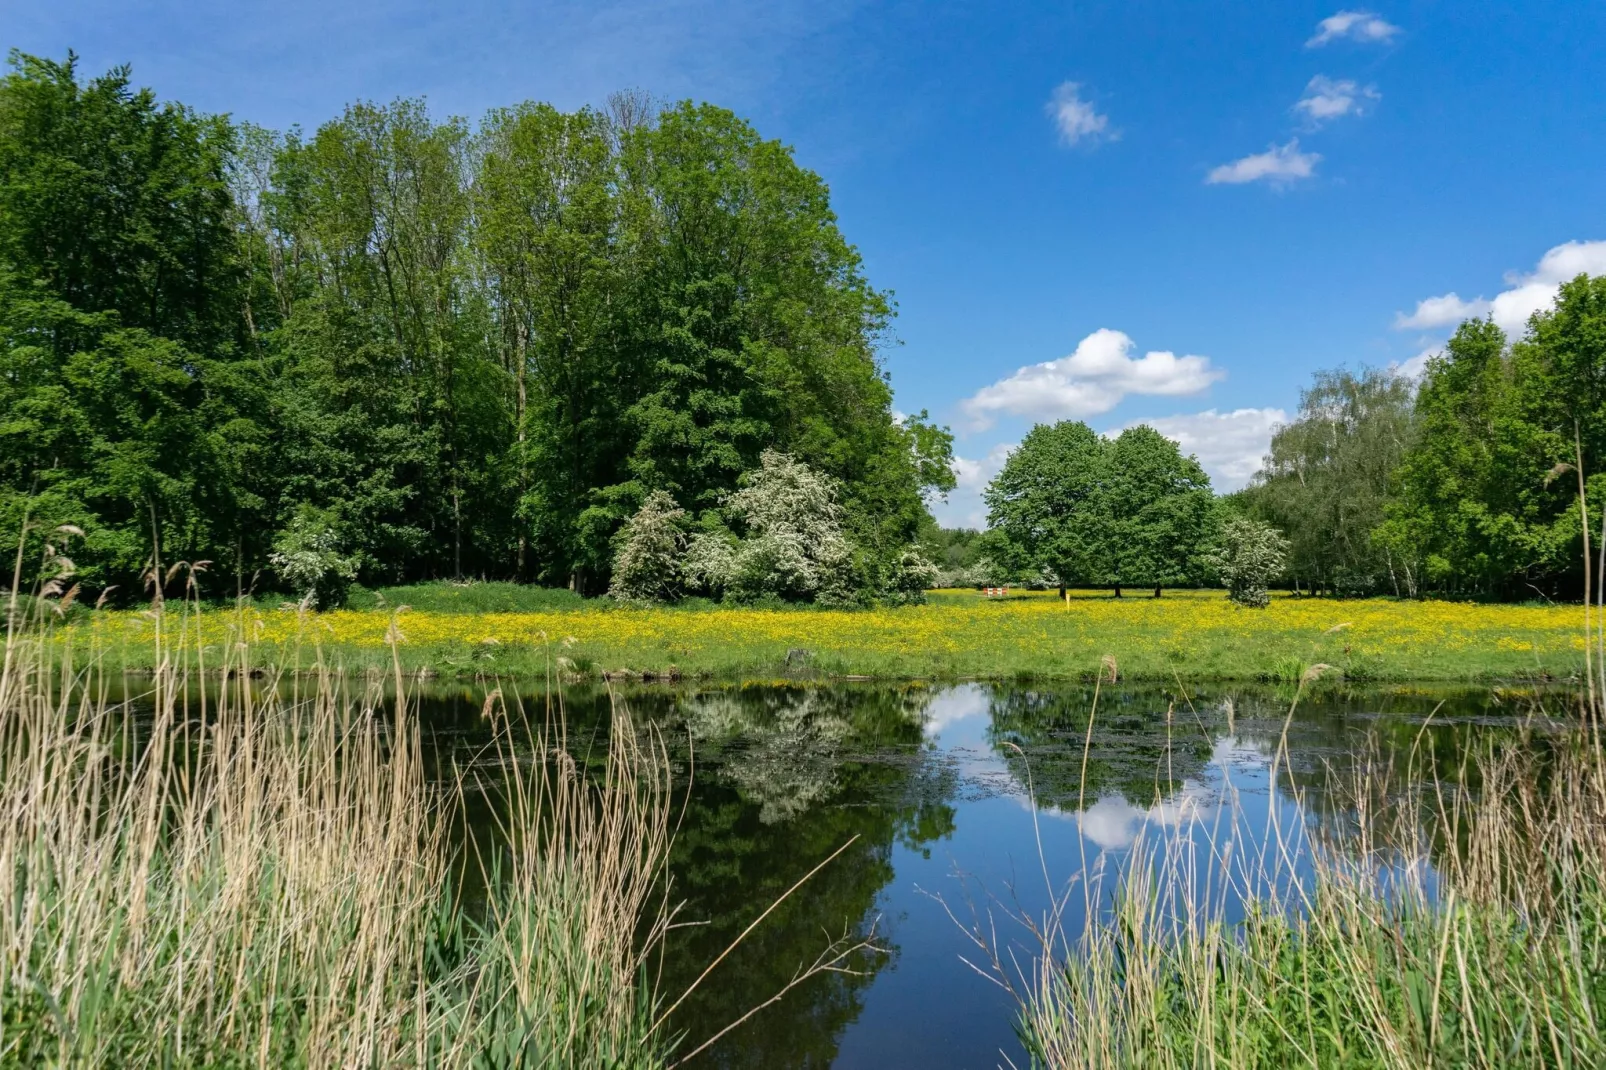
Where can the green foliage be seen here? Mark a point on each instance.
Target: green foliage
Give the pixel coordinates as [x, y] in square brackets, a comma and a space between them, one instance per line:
[1159, 517]
[1328, 479]
[1467, 485]
[1480, 503]
[481, 348]
[1090, 510]
[647, 567]
[131, 406]
[1046, 503]
[1252, 554]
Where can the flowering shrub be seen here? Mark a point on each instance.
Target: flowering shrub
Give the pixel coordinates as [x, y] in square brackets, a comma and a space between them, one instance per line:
[794, 547]
[648, 565]
[911, 575]
[1251, 556]
[307, 557]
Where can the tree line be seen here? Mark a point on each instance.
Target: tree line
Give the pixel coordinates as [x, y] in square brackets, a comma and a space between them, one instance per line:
[401, 348]
[1479, 480]
[1485, 477]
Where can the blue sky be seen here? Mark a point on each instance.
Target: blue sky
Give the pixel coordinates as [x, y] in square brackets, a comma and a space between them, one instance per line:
[1116, 211]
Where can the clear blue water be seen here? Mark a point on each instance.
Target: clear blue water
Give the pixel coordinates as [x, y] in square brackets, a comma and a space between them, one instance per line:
[969, 800]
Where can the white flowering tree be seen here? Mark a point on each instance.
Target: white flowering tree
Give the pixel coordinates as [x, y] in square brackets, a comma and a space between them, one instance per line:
[1252, 554]
[793, 546]
[648, 565]
[911, 575]
[307, 557]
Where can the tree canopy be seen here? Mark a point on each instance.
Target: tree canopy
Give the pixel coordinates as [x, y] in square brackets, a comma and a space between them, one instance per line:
[1465, 483]
[471, 350]
[1125, 511]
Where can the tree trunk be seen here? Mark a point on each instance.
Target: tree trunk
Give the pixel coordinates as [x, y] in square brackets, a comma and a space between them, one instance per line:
[457, 531]
[1157, 590]
[1118, 590]
[1062, 592]
[518, 418]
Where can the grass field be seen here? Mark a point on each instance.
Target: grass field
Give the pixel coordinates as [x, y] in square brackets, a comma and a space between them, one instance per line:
[1193, 634]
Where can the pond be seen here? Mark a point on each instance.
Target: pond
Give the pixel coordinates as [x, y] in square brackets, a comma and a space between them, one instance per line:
[960, 804]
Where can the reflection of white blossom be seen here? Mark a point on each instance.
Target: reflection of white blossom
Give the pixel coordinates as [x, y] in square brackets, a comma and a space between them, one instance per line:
[781, 754]
[780, 748]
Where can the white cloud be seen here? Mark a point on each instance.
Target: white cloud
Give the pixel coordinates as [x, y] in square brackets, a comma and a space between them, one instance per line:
[1416, 366]
[1076, 118]
[1090, 381]
[1229, 445]
[964, 507]
[1279, 165]
[1353, 26]
[1440, 311]
[1326, 99]
[1525, 293]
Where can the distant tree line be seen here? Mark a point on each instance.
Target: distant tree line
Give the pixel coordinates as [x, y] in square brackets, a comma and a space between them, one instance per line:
[1476, 481]
[399, 348]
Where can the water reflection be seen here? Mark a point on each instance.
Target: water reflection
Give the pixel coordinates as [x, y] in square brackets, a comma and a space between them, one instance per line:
[935, 784]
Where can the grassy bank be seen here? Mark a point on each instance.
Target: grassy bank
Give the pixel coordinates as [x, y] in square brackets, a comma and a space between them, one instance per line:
[1195, 634]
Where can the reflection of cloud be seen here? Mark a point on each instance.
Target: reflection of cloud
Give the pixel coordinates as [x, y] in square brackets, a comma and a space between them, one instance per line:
[954, 705]
[1114, 824]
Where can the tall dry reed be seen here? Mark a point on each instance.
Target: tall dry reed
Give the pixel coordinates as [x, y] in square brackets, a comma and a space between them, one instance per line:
[1437, 927]
[263, 877]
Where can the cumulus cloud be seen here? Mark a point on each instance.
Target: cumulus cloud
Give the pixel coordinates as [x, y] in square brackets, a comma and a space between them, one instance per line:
[1077, 119]
[1327, 99]
[1092, 380]
[964, 507]
[1360, 26]
[1279, 165]
[1415, 367]
[1526, 293]
[1229, 445]
[1440, 311]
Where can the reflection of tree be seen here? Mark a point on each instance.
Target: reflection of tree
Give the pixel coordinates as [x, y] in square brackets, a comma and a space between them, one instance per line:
[790, 775]
[1397, 757]
[1136, 750]
[784, 747]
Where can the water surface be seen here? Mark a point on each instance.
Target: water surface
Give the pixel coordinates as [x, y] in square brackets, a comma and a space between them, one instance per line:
[971, 800]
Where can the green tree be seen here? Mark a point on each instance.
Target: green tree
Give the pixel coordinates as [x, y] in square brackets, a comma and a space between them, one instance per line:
[550, 233]
[1158, 522]
[134, 407]
[481, 350]
[1047, 503]
[392, 403]
[1328, 479]
[1478, 501]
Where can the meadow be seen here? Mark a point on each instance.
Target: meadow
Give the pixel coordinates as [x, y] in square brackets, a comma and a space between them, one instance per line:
[496, 629]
